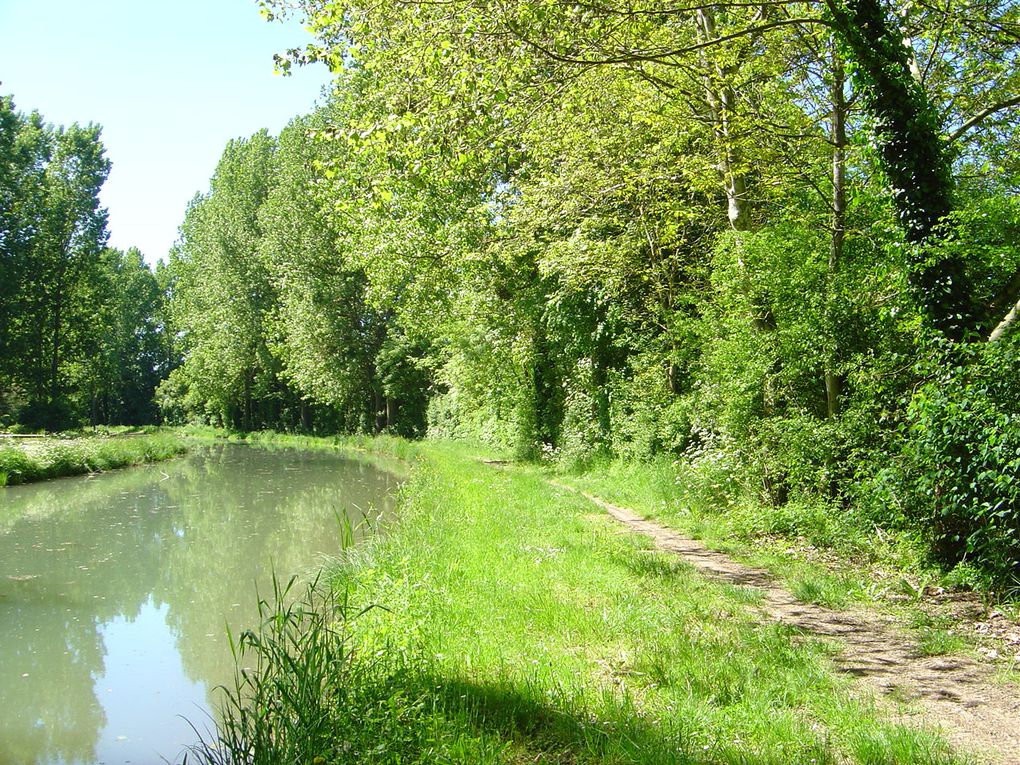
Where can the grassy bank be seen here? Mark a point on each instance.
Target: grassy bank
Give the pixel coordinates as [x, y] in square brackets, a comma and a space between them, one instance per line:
[382, 445]
[826, 555]
[505, 621]
[832, 557]
[808, 546]
[56, 457]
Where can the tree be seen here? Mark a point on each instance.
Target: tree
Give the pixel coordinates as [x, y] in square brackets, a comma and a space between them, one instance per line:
[712, 44]
[122, 373]
[222, 293]
[52, 232]
[323, 331]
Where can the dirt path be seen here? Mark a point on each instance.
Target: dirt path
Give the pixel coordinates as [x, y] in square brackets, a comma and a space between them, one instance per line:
[953, 693]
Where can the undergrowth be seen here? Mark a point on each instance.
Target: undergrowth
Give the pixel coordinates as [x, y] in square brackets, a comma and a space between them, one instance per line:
[802, 542]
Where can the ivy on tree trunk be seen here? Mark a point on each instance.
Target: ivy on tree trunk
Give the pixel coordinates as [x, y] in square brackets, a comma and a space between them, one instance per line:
[914, 155]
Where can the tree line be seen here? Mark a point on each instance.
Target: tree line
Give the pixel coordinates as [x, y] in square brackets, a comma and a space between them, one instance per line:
[274, 322]
[81, 338]
[775, 242]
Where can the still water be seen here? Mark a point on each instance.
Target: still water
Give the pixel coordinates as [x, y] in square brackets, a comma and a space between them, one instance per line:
[116, 591]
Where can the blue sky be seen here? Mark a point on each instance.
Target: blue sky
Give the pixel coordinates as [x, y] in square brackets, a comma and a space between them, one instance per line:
[170, 82]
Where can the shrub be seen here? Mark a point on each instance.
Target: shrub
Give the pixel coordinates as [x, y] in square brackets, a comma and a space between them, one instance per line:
[963, 457]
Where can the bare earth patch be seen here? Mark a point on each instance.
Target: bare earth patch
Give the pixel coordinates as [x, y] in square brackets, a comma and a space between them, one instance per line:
[955, 694]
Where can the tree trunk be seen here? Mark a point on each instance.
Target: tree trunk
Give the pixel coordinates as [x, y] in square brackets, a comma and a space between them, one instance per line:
[378, 409]
[914, 156]
[40, 365]
[833, 380]
[1005, 324]
[55, 350]
[721, 101]
[246, 413]
[720, 98]
[391, 413]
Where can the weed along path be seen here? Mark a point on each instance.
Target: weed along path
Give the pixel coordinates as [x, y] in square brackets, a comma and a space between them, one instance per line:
[955, 694]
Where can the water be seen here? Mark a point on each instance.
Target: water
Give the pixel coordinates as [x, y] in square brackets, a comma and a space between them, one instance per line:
[115, 591]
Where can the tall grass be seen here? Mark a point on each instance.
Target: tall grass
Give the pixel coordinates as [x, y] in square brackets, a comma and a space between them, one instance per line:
[306, 692]
[504, 621]
[84, 455]
[293, 672]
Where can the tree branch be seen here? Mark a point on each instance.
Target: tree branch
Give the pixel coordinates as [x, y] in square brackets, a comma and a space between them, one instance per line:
[683, 10]
[632, 56]
[1000, 330]
[982, 115]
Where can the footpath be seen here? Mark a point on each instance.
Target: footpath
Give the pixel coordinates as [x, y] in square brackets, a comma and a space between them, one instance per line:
[957, 695]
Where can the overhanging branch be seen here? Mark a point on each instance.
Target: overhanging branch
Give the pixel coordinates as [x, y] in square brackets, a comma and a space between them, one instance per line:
[981, 116]
[662, 56]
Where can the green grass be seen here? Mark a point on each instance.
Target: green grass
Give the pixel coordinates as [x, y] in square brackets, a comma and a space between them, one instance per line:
[504, 621]
[84, 454]
[825, 589]
[935, 636]
[382, 445]
[823, 554]
[820, 554]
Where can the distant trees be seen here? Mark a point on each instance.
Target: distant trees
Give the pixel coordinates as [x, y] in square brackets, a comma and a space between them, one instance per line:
[76, 318]
[129, 360]
[222, 291]
[274, 320]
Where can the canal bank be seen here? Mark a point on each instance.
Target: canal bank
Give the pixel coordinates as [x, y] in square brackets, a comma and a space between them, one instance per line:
[26, 459]
[507, 621]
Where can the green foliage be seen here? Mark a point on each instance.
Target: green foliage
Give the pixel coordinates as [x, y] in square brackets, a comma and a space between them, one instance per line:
[677, 235]
[129, 361]
[277, 325]
[18, 467]
[221, 291]
[319, 325]
[402, 366]
[78, 332]
[962, 458]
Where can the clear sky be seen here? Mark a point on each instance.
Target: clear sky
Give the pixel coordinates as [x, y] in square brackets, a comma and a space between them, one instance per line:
[170, 82]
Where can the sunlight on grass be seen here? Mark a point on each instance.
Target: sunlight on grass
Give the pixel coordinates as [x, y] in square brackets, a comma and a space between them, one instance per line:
[86, 454]
[500, 622]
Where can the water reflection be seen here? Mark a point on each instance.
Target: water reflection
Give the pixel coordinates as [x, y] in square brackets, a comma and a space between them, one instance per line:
[115, 591]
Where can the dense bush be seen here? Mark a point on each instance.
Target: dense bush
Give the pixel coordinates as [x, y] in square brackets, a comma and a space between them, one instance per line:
[962, 456]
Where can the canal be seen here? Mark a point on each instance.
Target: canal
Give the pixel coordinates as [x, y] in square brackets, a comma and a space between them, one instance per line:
[116, 591]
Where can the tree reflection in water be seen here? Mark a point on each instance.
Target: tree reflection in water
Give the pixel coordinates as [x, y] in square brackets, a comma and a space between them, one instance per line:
[115, 592]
